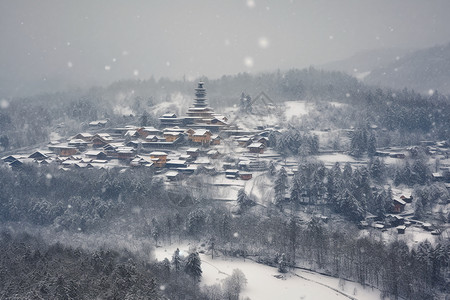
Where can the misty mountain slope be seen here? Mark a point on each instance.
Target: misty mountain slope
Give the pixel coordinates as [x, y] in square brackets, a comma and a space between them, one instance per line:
[366, 61]
[423, 70]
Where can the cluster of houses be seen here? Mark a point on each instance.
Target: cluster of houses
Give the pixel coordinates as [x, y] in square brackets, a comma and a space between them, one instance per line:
[176, 145]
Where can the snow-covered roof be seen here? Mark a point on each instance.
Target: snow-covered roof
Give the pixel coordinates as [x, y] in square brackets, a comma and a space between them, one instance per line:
[93, 153]
[255, 145]
[158, 153]
[193, 150]
[201, 132]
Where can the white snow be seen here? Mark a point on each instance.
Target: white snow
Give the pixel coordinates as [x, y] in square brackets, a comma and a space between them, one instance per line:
[296, 108]
[261, 283]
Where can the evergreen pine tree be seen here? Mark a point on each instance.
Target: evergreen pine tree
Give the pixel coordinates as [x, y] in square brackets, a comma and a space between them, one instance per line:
[193, 266]
[280, 186]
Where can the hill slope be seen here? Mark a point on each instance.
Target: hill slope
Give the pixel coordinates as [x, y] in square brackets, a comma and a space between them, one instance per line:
[422, 70]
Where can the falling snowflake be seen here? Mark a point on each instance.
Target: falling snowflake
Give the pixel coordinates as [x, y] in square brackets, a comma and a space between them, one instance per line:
[236, 234]
[136, 72]
[397, 57]
[168, 63]
[251, 3]
[347, 95]
[125, 52]
[162, 287]
[331, 37]
[68, 44]
[355, 70]
[4, 104]
[248, 62]
[48, 176]
[107, 68]
[69, 64]
[263, 42]
[227, 42]
[114, 59]
[430, 92]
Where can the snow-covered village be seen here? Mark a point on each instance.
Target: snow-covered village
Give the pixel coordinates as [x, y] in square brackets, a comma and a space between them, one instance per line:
[270, 179]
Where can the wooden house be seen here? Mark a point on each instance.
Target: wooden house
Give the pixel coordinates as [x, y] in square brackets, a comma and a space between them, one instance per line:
[398, 206]
[95, 154]
[125, 153]
[213, 154]
[146, 131]
[401, 229]
[201, 136]
[159, 158]
[38, 155]
[101, 139]
[193, 152]
[176, 163]
[231, 173]
[85, 136]
[173, 175]
[256, 148]
[172, 136]
[79, 144]
[141, 161]
[245, 175]
[215, 139]
[98, 123]
[63, 150]
[132, 134]
[244, 141]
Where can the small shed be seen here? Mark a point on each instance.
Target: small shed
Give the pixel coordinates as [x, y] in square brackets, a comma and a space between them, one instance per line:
[231, 173]
[399, 206]
[245, 175]
[401, 229]
[256, 148]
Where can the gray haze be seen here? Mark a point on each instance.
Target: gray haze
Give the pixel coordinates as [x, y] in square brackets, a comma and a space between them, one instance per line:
[53, 45]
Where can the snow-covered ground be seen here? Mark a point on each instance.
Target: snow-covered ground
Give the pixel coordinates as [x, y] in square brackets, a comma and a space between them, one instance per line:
[296, 108]
[261, 283]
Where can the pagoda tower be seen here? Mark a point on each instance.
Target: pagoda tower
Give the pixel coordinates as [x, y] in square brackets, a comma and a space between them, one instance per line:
[200, 99]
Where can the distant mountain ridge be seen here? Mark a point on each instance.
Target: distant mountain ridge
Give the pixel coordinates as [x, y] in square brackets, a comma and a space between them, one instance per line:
[366, 61]
[423, 70]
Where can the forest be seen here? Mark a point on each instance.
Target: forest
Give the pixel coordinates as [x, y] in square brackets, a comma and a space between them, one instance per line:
[48, 203]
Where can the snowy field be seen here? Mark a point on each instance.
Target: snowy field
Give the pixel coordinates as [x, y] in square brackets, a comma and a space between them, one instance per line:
[296, 109]
[261, 283]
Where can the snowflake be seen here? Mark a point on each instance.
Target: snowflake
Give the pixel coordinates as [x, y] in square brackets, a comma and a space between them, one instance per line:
[4, 104]
[430, 92]
[107, 68]
[136, 72]
[69, 64]
[251, 3]
[263, 42]
[248, 62]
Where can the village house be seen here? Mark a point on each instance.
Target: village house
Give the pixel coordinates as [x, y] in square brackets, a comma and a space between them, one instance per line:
[125, 153]
[141, 161]
[173, 175]
[159, 158]
[398, 206]
[171, 136]
[213, 154]
[148, 131]
[96, 154]
[245, 175]
[101, 139]
[201, 136]
[38, 155]
[176, 163]
[85, 136]
[80, 144]
[193, 152]
[63, 150]
[215, 139]
[98, 123]
[256, 148]
[231, 173]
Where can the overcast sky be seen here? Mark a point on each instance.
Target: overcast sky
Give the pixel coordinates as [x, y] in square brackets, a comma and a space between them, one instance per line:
[58, 44]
